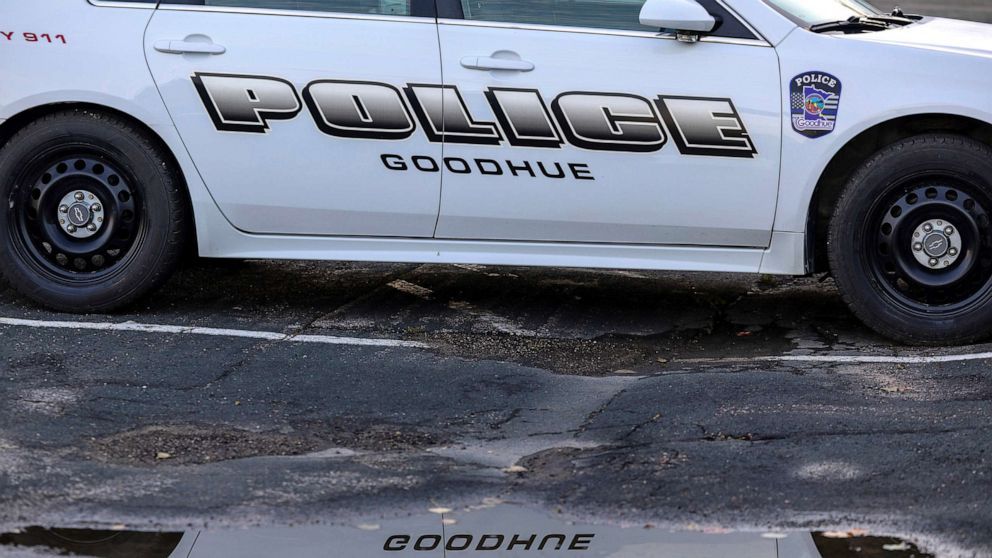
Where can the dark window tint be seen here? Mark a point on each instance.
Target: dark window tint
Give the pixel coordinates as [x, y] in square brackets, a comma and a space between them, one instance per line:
[371, 7]
[606, 14]
[623, 15]
[727, 25]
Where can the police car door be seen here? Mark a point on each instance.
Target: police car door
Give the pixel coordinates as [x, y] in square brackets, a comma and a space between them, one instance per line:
[286, 107]
[566, 120]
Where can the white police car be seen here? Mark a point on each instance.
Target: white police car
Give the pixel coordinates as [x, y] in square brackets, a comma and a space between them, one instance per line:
[764, 136]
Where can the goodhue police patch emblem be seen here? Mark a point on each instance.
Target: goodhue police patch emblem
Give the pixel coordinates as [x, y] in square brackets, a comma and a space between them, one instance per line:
[815, 103]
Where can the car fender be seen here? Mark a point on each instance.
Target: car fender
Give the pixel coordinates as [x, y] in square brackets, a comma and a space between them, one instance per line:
[69, 78]
[881, 83]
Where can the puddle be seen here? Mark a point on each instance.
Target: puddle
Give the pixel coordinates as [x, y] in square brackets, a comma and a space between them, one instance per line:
[491, 529]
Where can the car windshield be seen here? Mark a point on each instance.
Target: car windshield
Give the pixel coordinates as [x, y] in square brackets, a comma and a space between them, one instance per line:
[812, 12]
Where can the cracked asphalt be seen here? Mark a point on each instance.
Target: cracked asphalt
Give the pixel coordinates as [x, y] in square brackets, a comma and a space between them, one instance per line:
[598, 395]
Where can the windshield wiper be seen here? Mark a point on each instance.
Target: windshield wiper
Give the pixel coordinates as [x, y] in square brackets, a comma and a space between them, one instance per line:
[899, 13]
[893, 19]
[854, 24]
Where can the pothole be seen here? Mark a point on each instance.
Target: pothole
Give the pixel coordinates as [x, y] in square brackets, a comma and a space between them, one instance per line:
[194, 444]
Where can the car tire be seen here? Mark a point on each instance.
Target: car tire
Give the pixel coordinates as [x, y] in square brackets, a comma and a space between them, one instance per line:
[910, 243]
[96, 215]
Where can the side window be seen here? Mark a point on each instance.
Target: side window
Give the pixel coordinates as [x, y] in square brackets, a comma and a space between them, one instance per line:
[373, 7]
[605, 14]
[622, 15]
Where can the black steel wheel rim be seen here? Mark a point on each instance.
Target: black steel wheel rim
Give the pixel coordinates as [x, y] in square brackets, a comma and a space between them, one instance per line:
[894, 242]
[39, 224]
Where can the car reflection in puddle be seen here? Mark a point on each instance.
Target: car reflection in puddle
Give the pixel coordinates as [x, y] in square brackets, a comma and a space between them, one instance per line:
[487, 531]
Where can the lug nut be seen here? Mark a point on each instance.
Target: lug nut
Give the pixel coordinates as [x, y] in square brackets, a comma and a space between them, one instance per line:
[91, 227]
[949, 231]
[79, 196]
[933, 262]
[928, 227]
[63, 209]
[918, 247]
[953, 251]
[71, 228]
[96, 208]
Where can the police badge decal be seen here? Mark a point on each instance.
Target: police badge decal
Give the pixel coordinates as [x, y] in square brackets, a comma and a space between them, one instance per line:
[815, 103]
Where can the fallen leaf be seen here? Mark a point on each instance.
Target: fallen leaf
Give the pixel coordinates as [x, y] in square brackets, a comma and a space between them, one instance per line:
[845, 534]
[163, 456]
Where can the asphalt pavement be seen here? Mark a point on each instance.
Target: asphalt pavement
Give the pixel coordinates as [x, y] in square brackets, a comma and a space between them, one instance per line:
[608, 396]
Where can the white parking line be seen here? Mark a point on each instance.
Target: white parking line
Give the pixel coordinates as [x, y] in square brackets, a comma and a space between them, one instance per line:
[843, 359]
[396, 343]
[214, 332]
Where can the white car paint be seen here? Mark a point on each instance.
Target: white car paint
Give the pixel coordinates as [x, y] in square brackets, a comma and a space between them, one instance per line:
[883, 80]
[295, 193]
[660, 198]
[293, 180]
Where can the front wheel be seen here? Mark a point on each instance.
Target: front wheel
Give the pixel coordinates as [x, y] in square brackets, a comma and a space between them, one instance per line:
[95, 216]
[910, 241]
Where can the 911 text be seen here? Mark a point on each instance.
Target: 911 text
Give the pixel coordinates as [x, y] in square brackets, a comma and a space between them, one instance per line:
[27, 37]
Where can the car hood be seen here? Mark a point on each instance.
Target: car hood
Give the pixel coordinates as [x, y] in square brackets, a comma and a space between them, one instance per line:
[949, 35]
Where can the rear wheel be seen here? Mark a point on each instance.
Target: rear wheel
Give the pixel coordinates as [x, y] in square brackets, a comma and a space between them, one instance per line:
[95, 216]
[911, 241]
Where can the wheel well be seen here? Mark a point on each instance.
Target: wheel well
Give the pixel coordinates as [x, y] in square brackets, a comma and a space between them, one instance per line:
[859, 150]
[14, 124]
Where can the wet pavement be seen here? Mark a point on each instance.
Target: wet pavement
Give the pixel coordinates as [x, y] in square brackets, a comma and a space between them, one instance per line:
[486, 530]
[612, 397]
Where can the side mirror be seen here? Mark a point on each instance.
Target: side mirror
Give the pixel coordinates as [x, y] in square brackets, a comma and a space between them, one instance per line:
[689, 19]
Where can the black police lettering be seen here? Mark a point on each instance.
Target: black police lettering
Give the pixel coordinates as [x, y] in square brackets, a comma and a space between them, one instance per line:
[609, 122]
[706, 127]
[594, 121]
[238, 103]
[445, 117]
[489, 167]
[524, 117]
[357, 109]
[492, 542]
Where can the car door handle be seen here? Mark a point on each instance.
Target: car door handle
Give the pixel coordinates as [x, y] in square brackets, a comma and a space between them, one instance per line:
[187, 47]
[489, 63]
